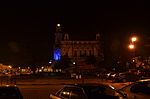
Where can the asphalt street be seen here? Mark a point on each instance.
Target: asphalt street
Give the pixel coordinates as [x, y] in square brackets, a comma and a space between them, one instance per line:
[38, 91]
[41, 88]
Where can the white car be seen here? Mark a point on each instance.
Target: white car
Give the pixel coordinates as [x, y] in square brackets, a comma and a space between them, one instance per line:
[137, 90]
[87, 91]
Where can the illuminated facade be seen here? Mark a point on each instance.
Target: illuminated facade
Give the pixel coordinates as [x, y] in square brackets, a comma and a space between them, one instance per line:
[74, 49]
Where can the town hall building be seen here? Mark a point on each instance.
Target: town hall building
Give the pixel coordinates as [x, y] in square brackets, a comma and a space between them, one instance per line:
[76, 50]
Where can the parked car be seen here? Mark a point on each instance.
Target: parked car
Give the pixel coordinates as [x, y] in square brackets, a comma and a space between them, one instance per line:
[10, 92]
[87, 91]
[110, 75]
[137, 90]
[126, 77]
[73, 75]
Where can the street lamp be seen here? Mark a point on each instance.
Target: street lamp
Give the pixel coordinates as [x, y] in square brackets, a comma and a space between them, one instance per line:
[10, 66]
[131, 46]
[74, 63]
[58, 25]
[133, 39]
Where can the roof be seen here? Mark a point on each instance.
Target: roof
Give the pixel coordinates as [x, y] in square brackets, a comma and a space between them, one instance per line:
[86, 84]
[131, 83]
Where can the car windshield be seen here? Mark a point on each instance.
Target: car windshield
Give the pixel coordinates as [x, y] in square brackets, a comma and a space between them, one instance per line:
[9, 91]
[99, 90]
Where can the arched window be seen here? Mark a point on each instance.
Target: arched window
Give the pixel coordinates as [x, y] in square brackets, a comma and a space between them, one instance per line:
[66, 54]
[91, 53]
[83, 53]
[75, 54]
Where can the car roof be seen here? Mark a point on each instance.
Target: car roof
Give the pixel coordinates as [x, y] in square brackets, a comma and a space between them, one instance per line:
[86, 85]
[132, 83]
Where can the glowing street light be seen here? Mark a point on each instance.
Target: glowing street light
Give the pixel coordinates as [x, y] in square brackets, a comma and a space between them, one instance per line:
[131, 46]
[74, 63]
[10, 66]
[58, 25]
[133, 39]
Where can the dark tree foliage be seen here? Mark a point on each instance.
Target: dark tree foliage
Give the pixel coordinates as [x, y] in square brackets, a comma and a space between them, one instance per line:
[63, 63]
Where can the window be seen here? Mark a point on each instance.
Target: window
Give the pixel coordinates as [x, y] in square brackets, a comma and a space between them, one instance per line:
[75, 53]
[142, 87]
[66, 54]
[91, 53]
[83, 53]
[101, 92]
[136, 88]
[109, 91]
[77, 93]
[10, 92]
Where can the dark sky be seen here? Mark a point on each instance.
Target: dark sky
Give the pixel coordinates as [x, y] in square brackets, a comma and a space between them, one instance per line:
[27, 28]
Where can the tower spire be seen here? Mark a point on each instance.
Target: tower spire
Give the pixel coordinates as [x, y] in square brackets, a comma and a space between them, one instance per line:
[58, 28]
[58, 34]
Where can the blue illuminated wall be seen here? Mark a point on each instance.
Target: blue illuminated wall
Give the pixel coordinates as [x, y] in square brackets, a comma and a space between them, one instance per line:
[57, 54]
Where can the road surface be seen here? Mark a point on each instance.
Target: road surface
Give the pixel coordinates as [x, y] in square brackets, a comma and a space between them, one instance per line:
[43, 91]
[38, 91]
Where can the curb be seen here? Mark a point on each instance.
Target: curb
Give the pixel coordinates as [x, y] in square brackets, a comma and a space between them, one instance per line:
[38, 84]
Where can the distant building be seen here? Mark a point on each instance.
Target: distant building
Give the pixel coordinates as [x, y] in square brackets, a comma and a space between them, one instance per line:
[147, 41]
[146, 48]
[76, 50]
[3, 67]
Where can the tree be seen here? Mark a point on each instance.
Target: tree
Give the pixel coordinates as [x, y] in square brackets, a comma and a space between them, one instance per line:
[63, 63]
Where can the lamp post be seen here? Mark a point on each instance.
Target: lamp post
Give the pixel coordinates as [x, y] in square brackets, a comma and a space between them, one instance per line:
[132, 47]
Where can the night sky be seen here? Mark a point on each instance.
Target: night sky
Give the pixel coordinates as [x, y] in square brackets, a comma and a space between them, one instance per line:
[27, 28]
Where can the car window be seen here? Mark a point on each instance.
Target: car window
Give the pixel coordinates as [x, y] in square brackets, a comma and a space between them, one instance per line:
[65, 93]
[109, 91]
[10, 92]
[142, 87]
[101, 92]
[77, 93]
